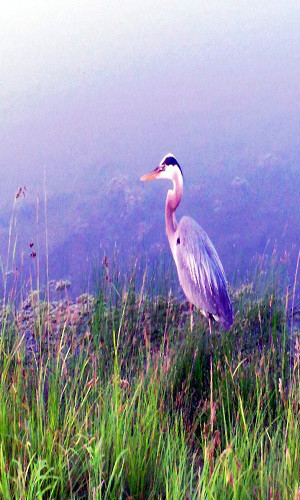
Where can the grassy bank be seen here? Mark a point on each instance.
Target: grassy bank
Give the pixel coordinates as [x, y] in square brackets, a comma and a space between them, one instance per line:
[138, 406]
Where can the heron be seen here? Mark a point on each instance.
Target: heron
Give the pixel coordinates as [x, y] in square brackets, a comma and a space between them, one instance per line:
[200, 271]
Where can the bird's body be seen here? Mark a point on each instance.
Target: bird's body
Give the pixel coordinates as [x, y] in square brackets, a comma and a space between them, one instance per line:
[199, 268]
[201, 273]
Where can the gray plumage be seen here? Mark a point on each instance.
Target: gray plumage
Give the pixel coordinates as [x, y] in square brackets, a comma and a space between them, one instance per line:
[201, 273]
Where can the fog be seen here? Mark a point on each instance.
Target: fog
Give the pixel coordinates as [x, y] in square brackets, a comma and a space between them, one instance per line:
[94, 90]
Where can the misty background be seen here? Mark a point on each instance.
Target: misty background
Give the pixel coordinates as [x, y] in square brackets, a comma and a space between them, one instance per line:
[95, 93]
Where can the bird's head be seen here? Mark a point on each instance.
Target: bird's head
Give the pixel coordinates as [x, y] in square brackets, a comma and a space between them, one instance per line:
[167, 169]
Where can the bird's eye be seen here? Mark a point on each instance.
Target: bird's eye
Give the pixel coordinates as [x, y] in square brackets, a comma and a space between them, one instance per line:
[162, 168]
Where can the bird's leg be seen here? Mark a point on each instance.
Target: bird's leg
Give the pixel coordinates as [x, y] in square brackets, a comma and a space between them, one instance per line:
[212, 406]
[192, 316]
[209, 325]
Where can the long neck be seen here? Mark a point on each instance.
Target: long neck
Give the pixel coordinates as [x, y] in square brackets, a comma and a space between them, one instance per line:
[173, 199]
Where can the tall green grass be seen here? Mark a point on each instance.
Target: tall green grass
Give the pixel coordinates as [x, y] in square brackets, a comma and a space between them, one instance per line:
[138, 406]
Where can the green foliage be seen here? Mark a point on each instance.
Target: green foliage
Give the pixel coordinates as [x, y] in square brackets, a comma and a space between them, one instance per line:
[141, 407]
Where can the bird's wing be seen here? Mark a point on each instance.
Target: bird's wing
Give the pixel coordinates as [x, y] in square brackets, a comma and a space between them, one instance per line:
[201, 273]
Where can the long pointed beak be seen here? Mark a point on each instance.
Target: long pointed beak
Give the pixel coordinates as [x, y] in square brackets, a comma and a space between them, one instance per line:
[150, 176]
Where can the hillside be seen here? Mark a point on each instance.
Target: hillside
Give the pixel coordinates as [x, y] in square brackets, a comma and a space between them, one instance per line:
[117, 398]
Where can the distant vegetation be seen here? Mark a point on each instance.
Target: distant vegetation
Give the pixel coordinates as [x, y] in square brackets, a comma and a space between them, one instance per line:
[247, 209]
[129, 403]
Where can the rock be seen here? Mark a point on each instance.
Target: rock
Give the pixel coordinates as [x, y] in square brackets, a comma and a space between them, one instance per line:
[40, 324]
[62, 285]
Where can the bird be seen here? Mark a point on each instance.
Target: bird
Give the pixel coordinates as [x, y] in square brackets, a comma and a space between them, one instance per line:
[200, 271]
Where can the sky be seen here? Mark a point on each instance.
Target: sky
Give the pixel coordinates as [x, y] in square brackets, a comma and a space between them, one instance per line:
[121, 83]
